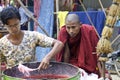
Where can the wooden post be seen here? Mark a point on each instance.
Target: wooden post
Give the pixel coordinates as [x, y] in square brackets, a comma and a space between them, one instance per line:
[103, 58]
[0, 71]
[57, 21]
[26, 3]
[104, 70]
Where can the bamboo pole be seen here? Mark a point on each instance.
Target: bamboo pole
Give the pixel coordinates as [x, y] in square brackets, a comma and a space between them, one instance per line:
[106, 47]
[32, 17]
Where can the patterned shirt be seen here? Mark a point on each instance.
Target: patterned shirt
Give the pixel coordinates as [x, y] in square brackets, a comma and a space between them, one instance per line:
[25, 51]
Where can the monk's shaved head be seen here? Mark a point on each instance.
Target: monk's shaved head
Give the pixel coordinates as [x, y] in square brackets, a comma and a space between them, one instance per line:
[73, 25]
[72, 18]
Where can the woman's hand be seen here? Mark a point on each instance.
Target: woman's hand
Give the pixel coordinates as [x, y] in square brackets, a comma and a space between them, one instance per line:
[57, 47]
[44, 63]
[25, 70]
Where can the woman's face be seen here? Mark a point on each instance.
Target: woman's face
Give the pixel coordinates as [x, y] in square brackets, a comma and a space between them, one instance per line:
[13, 25]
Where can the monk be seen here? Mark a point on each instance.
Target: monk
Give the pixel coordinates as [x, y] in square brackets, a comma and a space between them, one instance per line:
[80, 42]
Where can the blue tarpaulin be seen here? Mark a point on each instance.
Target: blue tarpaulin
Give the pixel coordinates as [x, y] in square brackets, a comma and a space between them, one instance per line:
[97, 17]
[45, 19]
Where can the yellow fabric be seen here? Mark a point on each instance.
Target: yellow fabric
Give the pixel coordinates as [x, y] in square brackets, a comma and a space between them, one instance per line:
[61, 17]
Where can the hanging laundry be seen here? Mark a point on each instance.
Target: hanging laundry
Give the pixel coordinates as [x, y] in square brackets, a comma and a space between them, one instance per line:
[61, 17]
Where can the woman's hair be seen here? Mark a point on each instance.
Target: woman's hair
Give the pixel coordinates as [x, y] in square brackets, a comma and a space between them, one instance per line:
[9, 13]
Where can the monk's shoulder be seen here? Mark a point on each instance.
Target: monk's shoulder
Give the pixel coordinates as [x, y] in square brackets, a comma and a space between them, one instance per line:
[63, 29]
[87, 27]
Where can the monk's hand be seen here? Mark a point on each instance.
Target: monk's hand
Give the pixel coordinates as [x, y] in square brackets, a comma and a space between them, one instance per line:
[44, 63]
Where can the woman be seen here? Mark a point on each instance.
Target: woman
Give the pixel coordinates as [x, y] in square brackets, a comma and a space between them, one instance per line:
[19, 46]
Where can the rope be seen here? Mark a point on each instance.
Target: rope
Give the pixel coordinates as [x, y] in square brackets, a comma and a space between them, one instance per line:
[115, 39]
[89, 17]
[102, 7]
[116, 68]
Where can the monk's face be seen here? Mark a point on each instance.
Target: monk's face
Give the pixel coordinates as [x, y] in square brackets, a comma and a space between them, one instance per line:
[73, 28]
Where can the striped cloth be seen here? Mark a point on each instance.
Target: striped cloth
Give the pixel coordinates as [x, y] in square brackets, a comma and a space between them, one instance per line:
[36, 11]
[45, 18]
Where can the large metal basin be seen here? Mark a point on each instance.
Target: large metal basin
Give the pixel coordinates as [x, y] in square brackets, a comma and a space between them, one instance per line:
[57, 71]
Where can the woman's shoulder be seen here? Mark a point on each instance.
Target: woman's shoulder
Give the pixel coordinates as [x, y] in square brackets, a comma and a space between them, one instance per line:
[3, 39]
[32, 34]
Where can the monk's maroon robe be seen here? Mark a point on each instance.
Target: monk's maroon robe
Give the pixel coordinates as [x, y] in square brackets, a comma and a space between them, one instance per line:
[81, 48]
